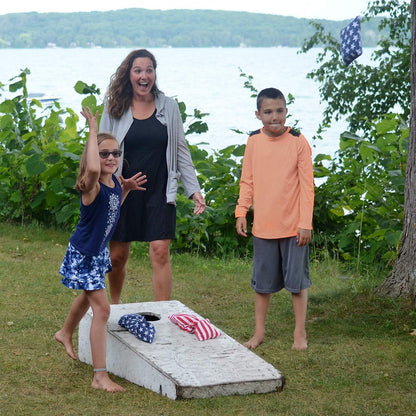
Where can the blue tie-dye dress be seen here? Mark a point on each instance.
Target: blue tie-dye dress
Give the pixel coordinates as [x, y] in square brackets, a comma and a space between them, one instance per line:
[87, 258]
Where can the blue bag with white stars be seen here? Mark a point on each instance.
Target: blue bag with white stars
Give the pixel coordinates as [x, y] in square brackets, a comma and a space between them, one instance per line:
[138, 326]
[351, 41]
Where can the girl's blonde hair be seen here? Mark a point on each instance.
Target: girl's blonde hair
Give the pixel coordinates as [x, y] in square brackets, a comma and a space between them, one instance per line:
[80, 183]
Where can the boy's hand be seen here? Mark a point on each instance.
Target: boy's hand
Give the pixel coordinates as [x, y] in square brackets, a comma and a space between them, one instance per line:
[134, 183]
[303, 237]
[91, 119]
[241, 226]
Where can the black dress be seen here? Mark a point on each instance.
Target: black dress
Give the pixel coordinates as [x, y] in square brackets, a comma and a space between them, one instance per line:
[145, 215]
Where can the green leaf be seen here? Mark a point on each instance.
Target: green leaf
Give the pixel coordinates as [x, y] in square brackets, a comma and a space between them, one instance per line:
[26, 137]
[367, 153]
[52, 159]
[71, 156]
[7, 107]
[38, 200]
[15, 86]
[69, 182]
[239, 150]
[83, 88]
[15, 197]
[6, 122]
[393, 237]
[35, 165]
[346, 142]
[321, 156]
[338, 211]
[90, 102]
[386, 125]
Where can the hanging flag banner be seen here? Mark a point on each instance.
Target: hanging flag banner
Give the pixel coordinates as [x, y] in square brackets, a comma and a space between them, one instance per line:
[351, 41]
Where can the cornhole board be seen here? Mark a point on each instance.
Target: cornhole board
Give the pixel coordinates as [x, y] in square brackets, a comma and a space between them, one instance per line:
[176, 364]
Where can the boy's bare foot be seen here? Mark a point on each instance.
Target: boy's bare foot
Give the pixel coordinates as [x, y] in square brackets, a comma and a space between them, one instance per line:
[67, 343]
[254, 342]
[103, 382]
[300, 347]
[300, 342]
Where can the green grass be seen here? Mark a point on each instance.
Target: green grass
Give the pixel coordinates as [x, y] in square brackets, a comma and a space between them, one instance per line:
[361, 359]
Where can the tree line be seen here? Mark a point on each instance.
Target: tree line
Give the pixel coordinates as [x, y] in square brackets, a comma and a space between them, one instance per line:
[170, 28]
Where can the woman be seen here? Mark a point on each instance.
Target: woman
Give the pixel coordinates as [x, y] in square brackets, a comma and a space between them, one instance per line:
[148, 127]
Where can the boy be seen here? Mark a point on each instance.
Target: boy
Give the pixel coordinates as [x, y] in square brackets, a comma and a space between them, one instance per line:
[277, 179]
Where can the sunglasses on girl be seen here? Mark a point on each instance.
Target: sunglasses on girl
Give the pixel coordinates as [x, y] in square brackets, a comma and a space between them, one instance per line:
[106, 154]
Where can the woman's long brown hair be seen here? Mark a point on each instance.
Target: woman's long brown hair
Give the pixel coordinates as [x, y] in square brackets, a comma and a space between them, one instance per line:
[120, 92]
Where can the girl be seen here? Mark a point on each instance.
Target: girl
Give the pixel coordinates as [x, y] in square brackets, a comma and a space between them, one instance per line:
[87, 258]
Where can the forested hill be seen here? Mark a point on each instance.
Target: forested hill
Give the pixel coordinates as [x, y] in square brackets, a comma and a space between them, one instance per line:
[156, 28]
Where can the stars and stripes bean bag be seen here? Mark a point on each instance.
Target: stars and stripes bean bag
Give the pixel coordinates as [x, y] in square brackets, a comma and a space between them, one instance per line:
[202, 328]
[138, 326]
[351, 47]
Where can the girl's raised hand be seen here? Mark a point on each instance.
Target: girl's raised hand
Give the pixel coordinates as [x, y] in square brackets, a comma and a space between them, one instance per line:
[92, 119]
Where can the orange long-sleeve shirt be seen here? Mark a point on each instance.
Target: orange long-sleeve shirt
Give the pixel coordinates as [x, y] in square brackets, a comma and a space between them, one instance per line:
[277, 180]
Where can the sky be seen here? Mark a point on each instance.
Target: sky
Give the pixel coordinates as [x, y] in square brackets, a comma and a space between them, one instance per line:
[311, 9]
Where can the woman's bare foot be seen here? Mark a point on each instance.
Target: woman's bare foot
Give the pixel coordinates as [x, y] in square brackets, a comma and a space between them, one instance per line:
[300, 342]
[66, 341]
[255, 341]
[103, 382]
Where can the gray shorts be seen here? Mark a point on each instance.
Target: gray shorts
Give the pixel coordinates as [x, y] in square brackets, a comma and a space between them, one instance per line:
[280, 263]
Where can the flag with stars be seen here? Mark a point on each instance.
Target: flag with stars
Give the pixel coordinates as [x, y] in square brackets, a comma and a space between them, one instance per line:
[138, 326]
[351, 41]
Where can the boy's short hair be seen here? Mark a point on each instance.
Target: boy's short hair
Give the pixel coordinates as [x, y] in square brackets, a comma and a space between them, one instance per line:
[272, 93]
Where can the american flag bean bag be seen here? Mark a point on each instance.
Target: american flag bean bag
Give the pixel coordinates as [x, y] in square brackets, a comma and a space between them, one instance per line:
[138, 326]
[202, 328]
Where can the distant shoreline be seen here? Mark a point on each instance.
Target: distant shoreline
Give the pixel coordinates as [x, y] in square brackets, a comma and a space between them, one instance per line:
[164, 29]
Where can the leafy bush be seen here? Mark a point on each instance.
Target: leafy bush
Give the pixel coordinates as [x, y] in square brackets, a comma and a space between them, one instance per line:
[38, 157]
[359, 207]
[213, 232]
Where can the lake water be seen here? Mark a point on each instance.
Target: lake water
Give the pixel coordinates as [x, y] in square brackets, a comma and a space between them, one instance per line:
[204, 78]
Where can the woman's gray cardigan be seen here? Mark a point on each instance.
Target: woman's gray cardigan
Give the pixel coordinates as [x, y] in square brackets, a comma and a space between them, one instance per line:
[178, 157]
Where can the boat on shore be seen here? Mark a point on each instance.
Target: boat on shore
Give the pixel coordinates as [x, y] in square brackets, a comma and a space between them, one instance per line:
[43, 98]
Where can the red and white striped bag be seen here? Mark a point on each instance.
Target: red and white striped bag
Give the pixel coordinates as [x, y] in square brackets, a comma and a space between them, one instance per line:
[205, 330]
[185, 321]
[202, 328]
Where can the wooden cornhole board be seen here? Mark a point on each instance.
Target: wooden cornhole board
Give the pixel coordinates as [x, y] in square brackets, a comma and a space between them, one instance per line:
[176, 364]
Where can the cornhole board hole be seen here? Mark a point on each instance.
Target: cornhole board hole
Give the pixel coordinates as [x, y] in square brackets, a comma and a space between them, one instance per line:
[176, 364]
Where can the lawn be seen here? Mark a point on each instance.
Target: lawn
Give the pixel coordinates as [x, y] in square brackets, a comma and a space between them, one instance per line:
[361, 359]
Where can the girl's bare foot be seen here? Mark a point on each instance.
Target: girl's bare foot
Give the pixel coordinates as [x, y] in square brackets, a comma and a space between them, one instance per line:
[254, 342]
[300, 342]
[66, 341]
[103, 382]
